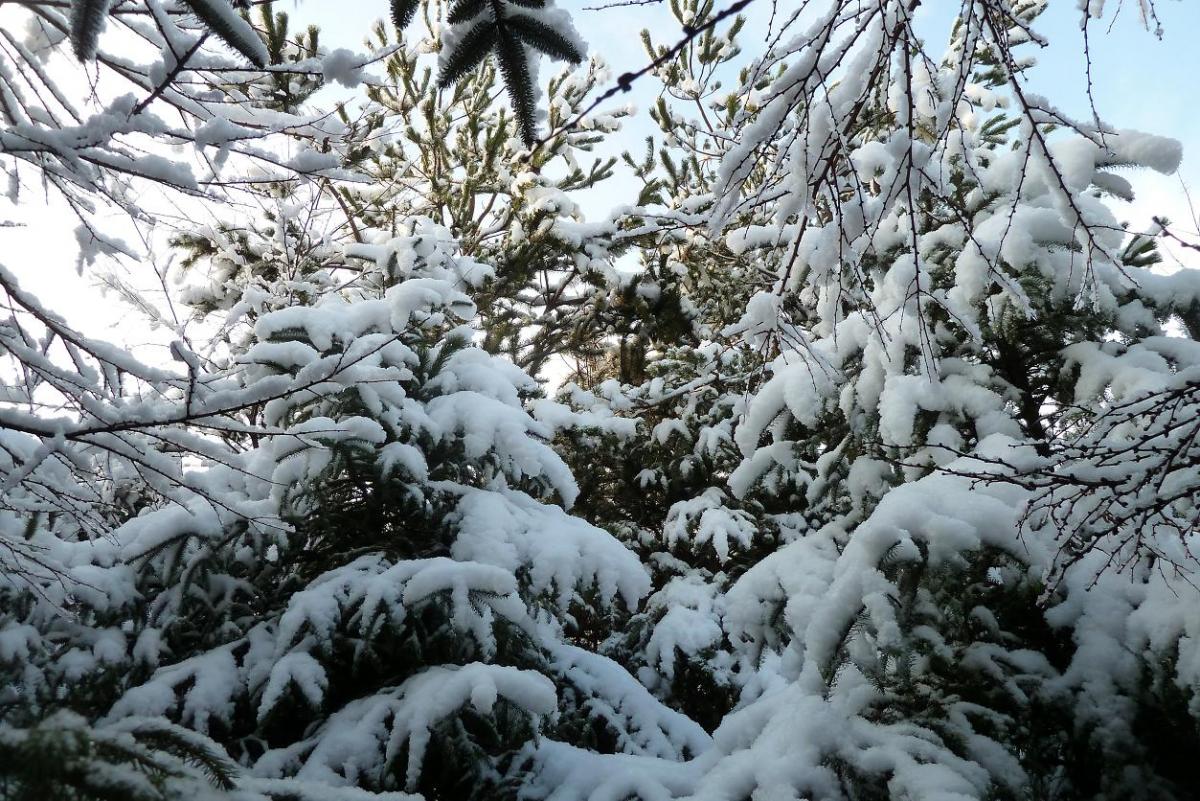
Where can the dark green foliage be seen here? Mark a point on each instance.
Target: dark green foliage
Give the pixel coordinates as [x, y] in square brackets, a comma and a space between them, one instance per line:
[698, 693]
[62, 758]
[470, 51]
[403, 11]
[463, 10]
[505, 35]
[518, 79]
[543, 37]
[238, 35]
[87, 18]
[474, 757]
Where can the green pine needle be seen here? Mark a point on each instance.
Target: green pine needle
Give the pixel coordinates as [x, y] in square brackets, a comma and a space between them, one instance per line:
[402, 13]
[543, 37]
[508, 35]
[463, 10]
[514, 68]
[232, 30]
[468, 52]
[162, 735]
[87, 18]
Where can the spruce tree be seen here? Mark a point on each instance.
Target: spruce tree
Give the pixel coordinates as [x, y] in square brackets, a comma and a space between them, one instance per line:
[906, 622]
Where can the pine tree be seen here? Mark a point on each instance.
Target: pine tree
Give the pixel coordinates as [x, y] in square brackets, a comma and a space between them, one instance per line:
[671, 365]
[516, 210]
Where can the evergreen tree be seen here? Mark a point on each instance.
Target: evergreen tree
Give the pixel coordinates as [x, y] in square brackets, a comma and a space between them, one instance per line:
[875, 475]
[364, 586]
[953, 326]
[906, 622]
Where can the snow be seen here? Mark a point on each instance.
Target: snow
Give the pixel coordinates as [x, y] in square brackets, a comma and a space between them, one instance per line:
[297, 669]
[364, 731]
[906, 465]
[343, 66]
[691, 623]
[706, 519]
[563, 553]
